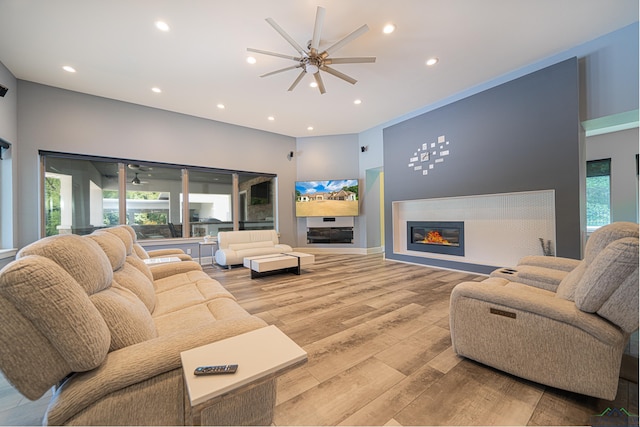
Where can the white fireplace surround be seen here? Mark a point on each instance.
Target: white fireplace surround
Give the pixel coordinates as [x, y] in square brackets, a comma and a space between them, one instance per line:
[499, 228]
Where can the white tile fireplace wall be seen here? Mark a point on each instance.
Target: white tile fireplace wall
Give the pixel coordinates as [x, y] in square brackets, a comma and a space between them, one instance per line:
[499, 228]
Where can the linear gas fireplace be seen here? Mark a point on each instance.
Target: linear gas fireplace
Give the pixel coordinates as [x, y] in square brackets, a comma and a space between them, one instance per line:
[441, 237]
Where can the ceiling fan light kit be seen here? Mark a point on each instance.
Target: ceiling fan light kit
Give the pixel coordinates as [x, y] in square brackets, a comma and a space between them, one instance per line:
[311, 61]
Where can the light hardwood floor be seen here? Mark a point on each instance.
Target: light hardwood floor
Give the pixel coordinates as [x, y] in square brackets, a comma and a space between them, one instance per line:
[377, 335]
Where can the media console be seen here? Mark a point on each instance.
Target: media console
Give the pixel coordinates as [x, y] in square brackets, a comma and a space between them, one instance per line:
[330, 230]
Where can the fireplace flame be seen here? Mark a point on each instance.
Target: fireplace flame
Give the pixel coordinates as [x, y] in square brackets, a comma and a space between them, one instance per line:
[435, 237]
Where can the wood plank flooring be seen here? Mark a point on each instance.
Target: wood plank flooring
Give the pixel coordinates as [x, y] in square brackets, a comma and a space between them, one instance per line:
[377, 335]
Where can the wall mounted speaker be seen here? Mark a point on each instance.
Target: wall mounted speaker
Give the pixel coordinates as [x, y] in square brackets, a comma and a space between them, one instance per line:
[3, 90]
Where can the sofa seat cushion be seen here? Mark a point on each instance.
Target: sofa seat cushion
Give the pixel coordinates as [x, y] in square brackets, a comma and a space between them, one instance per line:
[200, 315]
[189, 294]
[178, 280]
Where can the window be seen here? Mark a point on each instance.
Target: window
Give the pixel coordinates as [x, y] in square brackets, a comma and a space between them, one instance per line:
[153, 200]
[83, 193]
[256, 204]
[76, 195]
[210, 202]
[598, 193]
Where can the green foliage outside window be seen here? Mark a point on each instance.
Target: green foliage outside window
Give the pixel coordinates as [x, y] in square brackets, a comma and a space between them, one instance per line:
[52, 206]
[139, 218]
[598, 192]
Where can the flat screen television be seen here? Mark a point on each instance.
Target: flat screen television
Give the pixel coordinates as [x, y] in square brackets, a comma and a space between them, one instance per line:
[330, 198]
[261, 193]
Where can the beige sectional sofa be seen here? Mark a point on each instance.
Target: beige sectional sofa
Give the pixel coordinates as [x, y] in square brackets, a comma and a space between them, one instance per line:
[234, 246]
[571, 337]
[85, 315]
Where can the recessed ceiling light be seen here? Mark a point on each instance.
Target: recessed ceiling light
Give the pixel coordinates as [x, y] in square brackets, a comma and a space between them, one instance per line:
[162, 26]
[357, 101]
[432, 61]
[389, 28]
[156, 89]
[310, 128]
[220, 106]
[313, 84]
[69, 69]
[251, 60]
[271, 118]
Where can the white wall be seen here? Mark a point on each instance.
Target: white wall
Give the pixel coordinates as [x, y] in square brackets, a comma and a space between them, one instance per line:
[329, 157]
[621, 147]
[8, 132]
[64, 121]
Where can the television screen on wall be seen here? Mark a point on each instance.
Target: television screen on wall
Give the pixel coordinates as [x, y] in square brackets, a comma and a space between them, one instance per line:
[330, 198]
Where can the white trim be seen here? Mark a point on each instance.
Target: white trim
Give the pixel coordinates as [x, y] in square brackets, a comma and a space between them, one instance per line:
[8, 253]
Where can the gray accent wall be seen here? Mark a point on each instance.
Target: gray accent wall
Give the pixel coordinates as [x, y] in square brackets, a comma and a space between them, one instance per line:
[520, 136]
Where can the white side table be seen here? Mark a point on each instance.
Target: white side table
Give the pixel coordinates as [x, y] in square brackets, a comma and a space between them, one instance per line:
[161, 260]
[261, 356]
[213, 243]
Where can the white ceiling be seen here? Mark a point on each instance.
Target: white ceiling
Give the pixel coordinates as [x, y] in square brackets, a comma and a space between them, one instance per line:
[118, 53]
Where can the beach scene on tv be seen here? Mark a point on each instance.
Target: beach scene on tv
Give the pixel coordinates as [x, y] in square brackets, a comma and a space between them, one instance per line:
[327, 198]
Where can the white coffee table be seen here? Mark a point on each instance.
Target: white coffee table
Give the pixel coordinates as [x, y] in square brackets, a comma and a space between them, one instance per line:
[261, 356]
[277, 263]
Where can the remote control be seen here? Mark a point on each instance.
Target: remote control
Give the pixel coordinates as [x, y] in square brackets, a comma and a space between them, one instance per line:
[215, 370]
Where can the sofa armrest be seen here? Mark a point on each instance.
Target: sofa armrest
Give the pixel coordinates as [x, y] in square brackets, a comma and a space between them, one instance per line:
[161, 271]
[138, 363]
[519, 299]
[556, 263]
[165, 252]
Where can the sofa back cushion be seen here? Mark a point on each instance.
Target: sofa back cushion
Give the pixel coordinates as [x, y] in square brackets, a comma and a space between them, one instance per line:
[226, 238]
[125, 272]
[128, 237]
[609, 285]
[127, 318]
[601, 238]
[48, 325]
[598, 240]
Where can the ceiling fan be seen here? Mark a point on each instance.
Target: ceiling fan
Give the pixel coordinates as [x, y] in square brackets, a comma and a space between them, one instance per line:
[136, 180]
[311, 60]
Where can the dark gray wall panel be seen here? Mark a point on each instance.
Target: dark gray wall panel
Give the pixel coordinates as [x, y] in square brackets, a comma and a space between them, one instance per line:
[520, 136]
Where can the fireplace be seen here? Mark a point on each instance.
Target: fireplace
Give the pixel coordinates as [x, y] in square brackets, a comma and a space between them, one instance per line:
[441, 237]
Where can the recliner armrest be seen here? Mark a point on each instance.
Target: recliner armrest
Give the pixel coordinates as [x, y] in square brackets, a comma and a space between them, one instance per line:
[138, 363]
[160, 271]
[556, 263]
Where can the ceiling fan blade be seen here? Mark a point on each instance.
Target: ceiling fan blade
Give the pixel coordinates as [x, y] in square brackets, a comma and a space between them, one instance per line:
[355, 34]
[287, 37]
[360, 60]
[279, 55]
[317, 29]
[297, 80]
[339, 74]
[281, 70]
[318, 78]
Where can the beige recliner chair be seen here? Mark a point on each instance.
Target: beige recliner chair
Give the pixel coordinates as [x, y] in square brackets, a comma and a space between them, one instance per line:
[572, 339]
